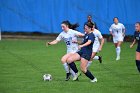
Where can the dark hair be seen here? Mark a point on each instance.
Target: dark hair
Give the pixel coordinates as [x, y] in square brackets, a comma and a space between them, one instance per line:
[90, 16]
[138, 23]
[71, 26]
[90, 24]
[115, 17]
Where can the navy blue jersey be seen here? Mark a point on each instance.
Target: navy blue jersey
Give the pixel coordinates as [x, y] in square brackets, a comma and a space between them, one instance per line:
[86, 51]
[137, 37]
[87, 37]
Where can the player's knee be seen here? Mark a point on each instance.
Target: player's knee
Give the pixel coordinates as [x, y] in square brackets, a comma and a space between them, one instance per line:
[63, 60]
[83, 69]
[69, 60]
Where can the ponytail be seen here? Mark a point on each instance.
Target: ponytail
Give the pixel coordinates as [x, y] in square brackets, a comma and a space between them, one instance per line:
[71, 26]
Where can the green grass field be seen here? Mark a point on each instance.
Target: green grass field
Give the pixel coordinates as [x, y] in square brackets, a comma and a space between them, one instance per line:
[23, 63]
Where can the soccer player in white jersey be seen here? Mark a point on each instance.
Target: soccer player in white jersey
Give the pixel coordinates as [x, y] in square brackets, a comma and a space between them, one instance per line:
[117, 30]
[97, 45]
[69, 36]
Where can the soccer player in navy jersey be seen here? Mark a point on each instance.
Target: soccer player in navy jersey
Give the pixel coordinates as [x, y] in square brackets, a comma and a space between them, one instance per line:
[137, 39]
[84, 54]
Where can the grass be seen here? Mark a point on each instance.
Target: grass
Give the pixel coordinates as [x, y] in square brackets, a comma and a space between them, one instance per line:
[23, 63]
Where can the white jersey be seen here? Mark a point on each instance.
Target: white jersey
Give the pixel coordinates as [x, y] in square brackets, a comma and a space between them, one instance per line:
[117, 29]
[96, 43]
[68, 38]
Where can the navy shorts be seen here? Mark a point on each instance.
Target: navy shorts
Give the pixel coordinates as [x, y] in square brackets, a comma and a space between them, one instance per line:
[138, 50]
[86, 56]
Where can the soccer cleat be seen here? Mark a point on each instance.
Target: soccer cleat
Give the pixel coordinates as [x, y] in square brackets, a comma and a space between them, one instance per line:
[94, 80]
[67, 76]
[118, 58]
[76, 76]
[77, 79]
[100, 59]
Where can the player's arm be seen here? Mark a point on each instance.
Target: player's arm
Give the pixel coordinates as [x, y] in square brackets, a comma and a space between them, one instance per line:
[85, 44]
[111, 33]
[133, 43]
[80, 34]
[79, 42]
[90, 40]
[101, 39]
[101, 43]
[53, 42]
[123, 30]
[59, 38]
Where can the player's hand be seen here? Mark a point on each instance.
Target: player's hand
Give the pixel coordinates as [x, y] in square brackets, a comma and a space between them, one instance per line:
[131, 46]
[99, 49]
[74, 41]
[47, 44]
[123, 35]
[113, 35]
[80, 46]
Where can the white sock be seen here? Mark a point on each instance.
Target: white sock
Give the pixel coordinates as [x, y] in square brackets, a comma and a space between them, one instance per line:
[66, 67]
[89, 63]
[72, 72]
[96, 58]
[118, 51]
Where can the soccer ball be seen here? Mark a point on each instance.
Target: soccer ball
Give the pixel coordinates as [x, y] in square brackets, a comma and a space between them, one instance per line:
[47, 77]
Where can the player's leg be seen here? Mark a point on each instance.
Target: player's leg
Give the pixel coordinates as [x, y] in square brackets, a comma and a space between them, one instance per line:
[92, 56]
[83, 66]
[66, 66]
[95, 50]
[138, 60]
[120, 41]
[115, 40]
[118, 50]
[71, 60]
[98, 58]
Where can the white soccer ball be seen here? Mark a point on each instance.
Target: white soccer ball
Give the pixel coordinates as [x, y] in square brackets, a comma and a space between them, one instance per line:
[47, 77]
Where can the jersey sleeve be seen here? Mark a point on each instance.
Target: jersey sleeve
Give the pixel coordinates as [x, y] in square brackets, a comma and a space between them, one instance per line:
[76, 33]
[91, 37]
[134, 35]
[111, 28]
[59, 37]
[100, 35]
[123, 27]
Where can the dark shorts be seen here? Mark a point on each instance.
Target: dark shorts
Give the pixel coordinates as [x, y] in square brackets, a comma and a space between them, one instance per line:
[86, 56]
[138, 50]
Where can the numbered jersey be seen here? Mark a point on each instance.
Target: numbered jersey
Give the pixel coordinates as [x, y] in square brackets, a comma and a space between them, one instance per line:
[68, 38]
[117, 30]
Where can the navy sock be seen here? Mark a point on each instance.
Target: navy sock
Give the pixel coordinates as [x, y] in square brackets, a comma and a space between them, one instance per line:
[73, 67]
[138, 65]
[89, 75]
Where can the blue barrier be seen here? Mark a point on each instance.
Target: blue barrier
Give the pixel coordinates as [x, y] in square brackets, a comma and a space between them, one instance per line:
[46, 15]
